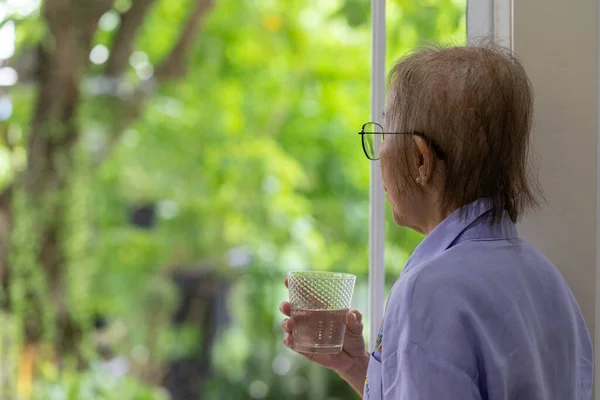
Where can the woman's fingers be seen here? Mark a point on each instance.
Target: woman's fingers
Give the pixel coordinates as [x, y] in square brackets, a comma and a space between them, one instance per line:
[354, 322]
[354, 342]
[288, 340]
[285, 308]
[287, 325]
[285, 281]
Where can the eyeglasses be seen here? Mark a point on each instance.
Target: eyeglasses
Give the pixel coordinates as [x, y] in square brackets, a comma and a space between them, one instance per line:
[370, 129]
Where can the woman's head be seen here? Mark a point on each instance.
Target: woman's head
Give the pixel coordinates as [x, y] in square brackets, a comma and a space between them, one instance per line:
[475, 104]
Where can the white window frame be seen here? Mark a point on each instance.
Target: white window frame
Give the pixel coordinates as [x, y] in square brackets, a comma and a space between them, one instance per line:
[490, 19]
[377, 197]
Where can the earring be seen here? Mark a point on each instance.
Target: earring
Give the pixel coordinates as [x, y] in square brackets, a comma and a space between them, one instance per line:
[418, 179]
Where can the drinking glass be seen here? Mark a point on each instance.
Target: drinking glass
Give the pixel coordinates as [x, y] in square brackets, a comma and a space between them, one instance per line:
[320, 302]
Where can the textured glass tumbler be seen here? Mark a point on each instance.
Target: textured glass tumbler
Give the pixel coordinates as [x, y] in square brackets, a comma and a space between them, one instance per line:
[320, 302]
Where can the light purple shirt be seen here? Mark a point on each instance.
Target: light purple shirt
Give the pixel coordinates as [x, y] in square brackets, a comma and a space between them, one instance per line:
[479, 314]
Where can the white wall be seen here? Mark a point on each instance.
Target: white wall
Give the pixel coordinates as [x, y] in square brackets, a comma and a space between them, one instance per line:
[557, 41]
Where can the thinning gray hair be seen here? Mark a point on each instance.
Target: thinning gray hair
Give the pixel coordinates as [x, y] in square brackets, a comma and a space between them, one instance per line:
[476, 103]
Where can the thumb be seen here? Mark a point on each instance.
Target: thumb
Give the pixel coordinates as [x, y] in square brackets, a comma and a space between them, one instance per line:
[351, 318]
[354, 322]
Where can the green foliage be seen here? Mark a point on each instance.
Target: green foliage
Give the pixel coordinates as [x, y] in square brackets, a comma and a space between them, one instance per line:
[95, 383]
[254, 150]
[28, 290]
[10, 344]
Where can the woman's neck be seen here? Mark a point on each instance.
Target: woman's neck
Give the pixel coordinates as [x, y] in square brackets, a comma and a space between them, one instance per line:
[432, 217]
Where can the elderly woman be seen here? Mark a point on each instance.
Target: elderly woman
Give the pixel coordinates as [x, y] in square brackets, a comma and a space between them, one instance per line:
[477, 313]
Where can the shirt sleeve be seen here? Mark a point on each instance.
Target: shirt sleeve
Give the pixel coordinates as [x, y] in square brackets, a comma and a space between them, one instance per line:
[415, 373]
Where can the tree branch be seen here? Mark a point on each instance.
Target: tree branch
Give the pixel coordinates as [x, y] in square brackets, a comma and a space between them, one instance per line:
[175, 65]
[87, 14]
[131, 21]
[58, 14]
[61, 17]
[53, 127]
[172, 66]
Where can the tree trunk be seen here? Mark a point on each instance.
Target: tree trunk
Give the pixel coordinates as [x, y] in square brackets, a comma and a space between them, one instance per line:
[52, 150]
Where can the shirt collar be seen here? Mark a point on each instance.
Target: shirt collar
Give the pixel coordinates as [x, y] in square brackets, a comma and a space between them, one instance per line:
[466, 223]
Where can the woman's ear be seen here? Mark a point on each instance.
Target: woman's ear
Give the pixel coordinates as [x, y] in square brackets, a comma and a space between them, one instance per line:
[423, 161]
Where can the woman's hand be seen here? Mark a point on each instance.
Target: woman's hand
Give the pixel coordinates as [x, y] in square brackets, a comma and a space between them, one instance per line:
[351, 363]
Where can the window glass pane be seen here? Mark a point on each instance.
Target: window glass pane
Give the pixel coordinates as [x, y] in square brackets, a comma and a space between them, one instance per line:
[163, 165]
